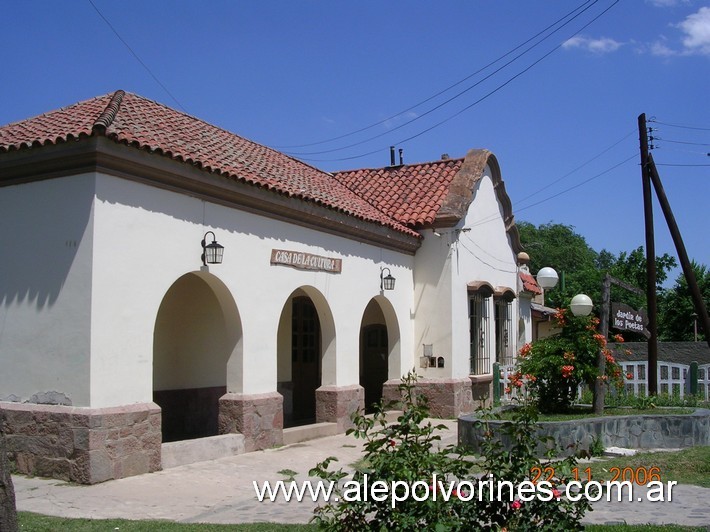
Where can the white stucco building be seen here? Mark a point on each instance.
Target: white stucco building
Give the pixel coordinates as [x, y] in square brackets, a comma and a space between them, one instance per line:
[115, 336]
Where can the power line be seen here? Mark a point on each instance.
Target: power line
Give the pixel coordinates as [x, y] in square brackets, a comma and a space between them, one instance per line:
[578, 167]
[680, 141]
[679, 126]
[494, 216]
[499, 87]
[137, 57]
[670, 164]
[443, 91]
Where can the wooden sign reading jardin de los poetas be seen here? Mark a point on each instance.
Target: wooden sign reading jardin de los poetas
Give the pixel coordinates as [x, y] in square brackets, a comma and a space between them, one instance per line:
[306, 261]
[625, 318]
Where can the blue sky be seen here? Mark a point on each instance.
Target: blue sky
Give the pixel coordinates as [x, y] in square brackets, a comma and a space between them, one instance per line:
[293, 73]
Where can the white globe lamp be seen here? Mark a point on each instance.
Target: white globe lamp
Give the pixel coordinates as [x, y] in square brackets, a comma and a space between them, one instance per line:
[547, 277]
[581, 305]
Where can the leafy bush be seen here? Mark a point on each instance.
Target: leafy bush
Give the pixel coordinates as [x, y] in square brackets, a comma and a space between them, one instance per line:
[554, 367]
[409, 451]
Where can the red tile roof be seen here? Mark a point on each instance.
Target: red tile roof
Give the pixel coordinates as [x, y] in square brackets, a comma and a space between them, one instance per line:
[412, 194]
[136, 121]
[529, 283]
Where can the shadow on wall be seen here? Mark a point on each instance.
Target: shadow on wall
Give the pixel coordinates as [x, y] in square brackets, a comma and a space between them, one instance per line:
[46, 230]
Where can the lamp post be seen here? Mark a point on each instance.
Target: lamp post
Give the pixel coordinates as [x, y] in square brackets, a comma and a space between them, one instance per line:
[547, 279]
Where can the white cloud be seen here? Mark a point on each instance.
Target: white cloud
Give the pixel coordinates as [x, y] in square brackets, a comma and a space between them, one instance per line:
[660, 48]
[601, 45]
[395, 121]
[696, 28]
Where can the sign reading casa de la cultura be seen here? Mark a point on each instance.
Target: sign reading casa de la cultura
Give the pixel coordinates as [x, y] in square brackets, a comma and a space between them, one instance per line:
[306, 261]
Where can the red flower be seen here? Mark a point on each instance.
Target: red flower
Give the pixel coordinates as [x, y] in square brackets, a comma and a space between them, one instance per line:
[601, 339]
[619, 338]
[516, 504]
[629, 376]
[567, 371]
[560, 316]
[556, 493]
[391, 443]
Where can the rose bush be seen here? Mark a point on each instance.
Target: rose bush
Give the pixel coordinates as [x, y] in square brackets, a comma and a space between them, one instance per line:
[409, 450]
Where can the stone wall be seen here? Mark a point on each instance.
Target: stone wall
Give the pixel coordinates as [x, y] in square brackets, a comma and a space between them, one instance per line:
[658, 431]
[259, 417]
[85, 445]
[335, 404]
[448, 398]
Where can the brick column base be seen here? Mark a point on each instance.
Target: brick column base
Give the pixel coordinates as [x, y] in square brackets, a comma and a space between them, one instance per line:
[448, 398]
[84, 445]
[335, 404]
[259, 417]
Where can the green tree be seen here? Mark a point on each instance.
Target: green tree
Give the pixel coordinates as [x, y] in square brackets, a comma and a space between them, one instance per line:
[560, 247]
[676, 308]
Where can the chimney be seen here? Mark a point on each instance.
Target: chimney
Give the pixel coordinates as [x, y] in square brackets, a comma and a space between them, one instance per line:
[445, 157]
[391, 155]
[401, 160]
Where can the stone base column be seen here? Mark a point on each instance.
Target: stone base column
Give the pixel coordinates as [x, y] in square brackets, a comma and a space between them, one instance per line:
[335, 404]
[259, 417]
[85, 445]
[448, 398]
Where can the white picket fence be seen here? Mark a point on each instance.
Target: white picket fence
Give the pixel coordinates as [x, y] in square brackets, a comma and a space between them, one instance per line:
[673, 380]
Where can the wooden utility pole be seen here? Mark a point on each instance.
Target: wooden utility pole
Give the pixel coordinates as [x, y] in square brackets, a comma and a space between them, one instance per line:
[700, 308]
[650, 260]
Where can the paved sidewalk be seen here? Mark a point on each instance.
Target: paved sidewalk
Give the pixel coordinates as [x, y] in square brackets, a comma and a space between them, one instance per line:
[221, 491]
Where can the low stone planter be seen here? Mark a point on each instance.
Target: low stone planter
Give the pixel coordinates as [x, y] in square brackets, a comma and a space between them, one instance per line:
[658, 431]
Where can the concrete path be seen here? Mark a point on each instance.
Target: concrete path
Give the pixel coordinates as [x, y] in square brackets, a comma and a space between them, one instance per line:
[221, 491]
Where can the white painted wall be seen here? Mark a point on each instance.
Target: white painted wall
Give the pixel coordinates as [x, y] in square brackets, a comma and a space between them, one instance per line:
[445, 265]
[484, 253]
[45, 290]
[146, 238]
[93, 257]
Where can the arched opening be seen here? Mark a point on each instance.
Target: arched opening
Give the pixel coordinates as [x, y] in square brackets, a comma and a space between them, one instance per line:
[305, 348]
[379, 349]
[197, 330]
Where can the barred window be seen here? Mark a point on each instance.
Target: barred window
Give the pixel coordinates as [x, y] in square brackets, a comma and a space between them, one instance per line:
[505, 353]
[480, 356]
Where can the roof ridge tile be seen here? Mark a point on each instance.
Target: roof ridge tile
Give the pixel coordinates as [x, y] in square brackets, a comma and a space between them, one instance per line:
[108, 115]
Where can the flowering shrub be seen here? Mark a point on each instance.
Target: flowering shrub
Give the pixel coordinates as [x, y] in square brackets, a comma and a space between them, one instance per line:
[558, 364]
[409, 451]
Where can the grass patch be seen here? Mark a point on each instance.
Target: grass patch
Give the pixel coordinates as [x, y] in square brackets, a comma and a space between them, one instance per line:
[43, 523]
[688, 466]
[639, 528]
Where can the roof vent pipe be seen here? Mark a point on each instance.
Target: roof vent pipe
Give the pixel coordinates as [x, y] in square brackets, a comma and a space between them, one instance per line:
[401, 160]
[391, 155]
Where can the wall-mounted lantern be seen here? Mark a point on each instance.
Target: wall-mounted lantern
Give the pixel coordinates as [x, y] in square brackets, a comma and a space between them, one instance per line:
[386, 282]
[211, 253]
